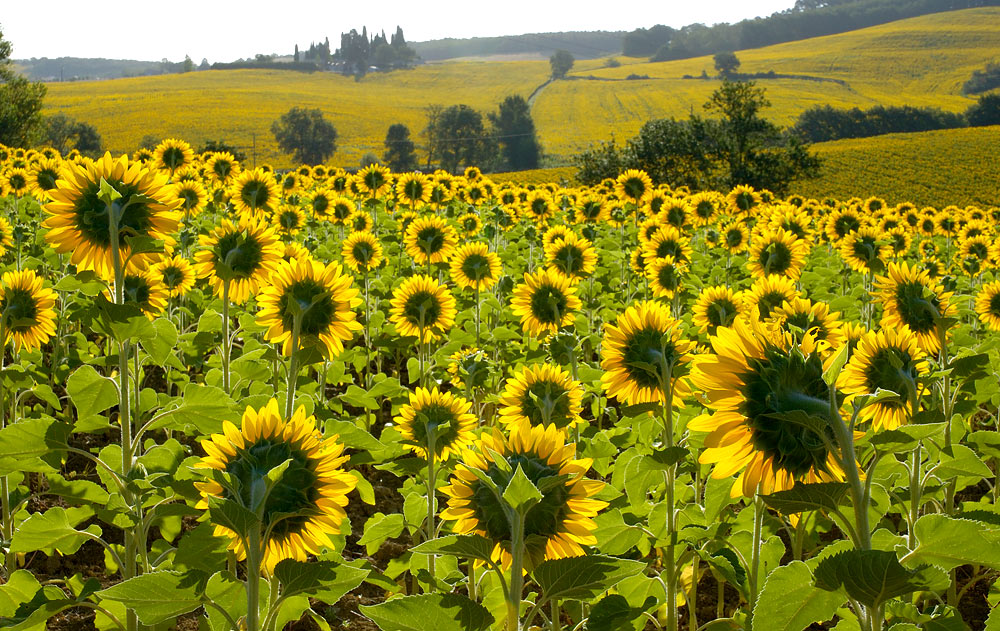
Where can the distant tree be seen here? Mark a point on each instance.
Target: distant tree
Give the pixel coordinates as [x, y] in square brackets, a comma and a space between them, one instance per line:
[218, 146]
[399, 149]
[204, 65]
[516, 136]
[65, 133]
[983, 80]
[149, 141]
[986, 111]
[461, 139]
[726, 63]
[296, 56]
[368, 159]
[561, 62]
[188, 64]
[305, 134]
[21, 120]
[433, 113]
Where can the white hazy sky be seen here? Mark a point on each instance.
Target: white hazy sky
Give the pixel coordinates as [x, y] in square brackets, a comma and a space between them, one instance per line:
[224, 31]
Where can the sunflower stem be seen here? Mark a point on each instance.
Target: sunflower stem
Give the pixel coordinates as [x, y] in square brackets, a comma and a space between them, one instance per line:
[431, 488]
[758, 527]
[476, 298]
[669, 479]
[516, 572]
[293, 366]
[254, 558]
[226, 342]
[10, 558]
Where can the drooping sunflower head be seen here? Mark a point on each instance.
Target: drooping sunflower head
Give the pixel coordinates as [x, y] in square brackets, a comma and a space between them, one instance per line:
[44, 175]
[758, 383]
[735, 237]
[842, 222]
[910, 297]
[241, 255]
[716, 306]
[295, 250]
[173, 156]
[704, 208]
[319, 203]
[422, 308]
[430, 238]
[80, 223]
[468, 368]
[642, 354]
[572, 256]
[145, 290]
[556, 527]
[175, 273]
[470, 224]
[306, 506]
[289, 219]
[890, 359]
[311, 305]
[27, 311]
[222, 168]
[777, 253]
[374, 180]
[413, 189]
[665, 276]
[988, 305]
[866, 250]
[255, 192]
[768, 293]
[590, 209]
[743, 200]
[545, 302]
[899, 239]
[438, 416]
[473, 266]
[362, 252]
[667, 241]
[543, 394]
[634, 186]
[802, 316]
[192, 196]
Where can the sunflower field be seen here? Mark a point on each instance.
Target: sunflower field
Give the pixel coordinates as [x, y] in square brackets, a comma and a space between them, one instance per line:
[232, 398]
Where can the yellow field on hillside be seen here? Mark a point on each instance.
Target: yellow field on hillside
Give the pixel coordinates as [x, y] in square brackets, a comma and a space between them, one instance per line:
[935, 168]
[920, 61]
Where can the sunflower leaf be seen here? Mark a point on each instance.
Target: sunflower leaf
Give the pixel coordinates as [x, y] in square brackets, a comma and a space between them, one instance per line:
[583, 578]
[325, 580]
[805, 497]
[32, 445]
[156, 597]
[789, 601]
[231, 515]
[948, 542]
[55, 529]
[874, 576]
[521, 494]
[441, 612]
[833, 370]
[465, 546]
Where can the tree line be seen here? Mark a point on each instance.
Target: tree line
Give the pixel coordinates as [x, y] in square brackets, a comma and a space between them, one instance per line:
[808, 18]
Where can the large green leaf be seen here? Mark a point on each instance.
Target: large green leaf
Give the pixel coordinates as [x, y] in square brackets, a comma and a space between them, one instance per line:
[202, 410]
[806, 497]
[613, 613]
[440, 612]
[55, 529]
[324, 580]
[949, 542]
[90, 392]
[466, 546]
[32, 445]
[583, 578]
[874, 576]
[521, 494]
[380, 527]
[156, 597]
[160, 346]
[790, 602]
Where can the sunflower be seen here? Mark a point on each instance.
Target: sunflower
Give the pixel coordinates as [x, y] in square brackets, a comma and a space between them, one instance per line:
[341, 209]
[768, 293]
[793, 220]
[295, 250]
[590, 209]
[571, 256]
[173, 156]
[17, 181]
[324, 302]
[539, 207]
[289, 220]
[430, 239]
[442, 414]
[752, 378]
[665, 276]
[716, 306]
[558, 525]
[470, 224]
[704, 208]
[909, 297]
[222, 168]
[735, 237]
[413, 190]
[192, 197]
[542, 394]
[80, 223]
[841, 223]
[890, 359]
[742, 200]
[634, 186]
[319, 203]
[243, 255]
[175, 273]
[374, 180]
[306, 506]
[641, 352]
[142, 154]
[359, 221]
[362, 252]
[900, 240]
[545, 302]
[422, 308]
[865, 250]
[26, 310]
[778, 253]
[255, 191]
[44, 175]
[988, 305]
[800, 316]
[468, 364]
[6, 236]
[291, 183]
[667, 241]
[977, 248]
[145, 290]
[674, 212]
[473, 266]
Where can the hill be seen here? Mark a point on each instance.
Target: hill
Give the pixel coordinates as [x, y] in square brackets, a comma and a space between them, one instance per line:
[919, 61]
[582, 44]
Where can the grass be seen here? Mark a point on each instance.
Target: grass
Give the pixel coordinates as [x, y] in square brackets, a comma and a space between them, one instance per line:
[935, 168]
[920, 61]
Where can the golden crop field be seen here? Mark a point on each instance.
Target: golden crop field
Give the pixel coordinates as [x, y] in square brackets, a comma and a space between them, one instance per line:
[909, 167]
[920, 61]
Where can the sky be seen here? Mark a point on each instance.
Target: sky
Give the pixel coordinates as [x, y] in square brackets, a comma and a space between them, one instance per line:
[225, 31]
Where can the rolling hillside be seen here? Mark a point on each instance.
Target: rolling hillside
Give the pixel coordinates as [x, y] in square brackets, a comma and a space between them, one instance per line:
[920, 61]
